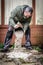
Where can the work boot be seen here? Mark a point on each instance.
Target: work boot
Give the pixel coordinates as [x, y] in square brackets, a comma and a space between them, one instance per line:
[4, 50]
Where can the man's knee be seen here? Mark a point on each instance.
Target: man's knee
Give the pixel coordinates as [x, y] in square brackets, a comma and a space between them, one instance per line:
[27, 32]
[10, 28]
[10, 32]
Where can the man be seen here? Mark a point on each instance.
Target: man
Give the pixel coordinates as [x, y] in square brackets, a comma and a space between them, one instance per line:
[21, 14]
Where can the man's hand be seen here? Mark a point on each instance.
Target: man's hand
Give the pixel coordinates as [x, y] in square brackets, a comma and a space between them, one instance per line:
[18, 25]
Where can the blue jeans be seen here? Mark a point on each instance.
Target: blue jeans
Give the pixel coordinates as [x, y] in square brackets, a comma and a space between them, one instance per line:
[27, 35]
[10, 34]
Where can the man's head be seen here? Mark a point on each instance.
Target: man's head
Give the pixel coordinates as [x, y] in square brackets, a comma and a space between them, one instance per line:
[28, 12]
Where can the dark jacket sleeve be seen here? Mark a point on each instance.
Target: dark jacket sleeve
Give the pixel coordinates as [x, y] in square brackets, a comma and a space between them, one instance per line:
[12, 17]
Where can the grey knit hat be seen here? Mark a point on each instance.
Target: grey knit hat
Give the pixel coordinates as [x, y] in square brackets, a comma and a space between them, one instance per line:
[29, 9]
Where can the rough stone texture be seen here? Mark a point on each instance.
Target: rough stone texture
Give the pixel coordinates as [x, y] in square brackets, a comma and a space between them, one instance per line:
[35, 59]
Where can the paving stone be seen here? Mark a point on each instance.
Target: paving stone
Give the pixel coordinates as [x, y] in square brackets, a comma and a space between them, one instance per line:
[37, 63]
[8, 63]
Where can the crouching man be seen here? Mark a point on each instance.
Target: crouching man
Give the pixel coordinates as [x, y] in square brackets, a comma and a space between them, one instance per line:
[23, 15]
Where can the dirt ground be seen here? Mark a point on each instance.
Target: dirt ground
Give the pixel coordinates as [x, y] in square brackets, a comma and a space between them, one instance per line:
[35, 59]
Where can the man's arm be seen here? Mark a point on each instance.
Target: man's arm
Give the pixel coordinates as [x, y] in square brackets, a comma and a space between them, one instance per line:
[12, 17]
[29, 20]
